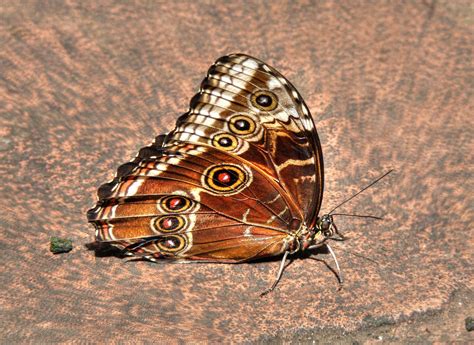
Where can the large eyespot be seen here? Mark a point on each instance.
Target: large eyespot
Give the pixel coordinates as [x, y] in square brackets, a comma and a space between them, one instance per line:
[264, 100]
[225, 141]
[169, 223]
[175, 203]
[226, 178]
[171, 244]
[241, 124]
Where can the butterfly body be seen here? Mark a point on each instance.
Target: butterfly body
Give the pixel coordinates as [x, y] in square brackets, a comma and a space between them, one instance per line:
[239, 178]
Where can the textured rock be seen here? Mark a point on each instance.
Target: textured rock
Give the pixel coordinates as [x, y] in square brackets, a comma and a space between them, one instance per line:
[85, 85]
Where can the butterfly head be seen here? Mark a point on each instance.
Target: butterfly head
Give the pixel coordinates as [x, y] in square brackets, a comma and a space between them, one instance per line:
[325, 225]
[323, 230]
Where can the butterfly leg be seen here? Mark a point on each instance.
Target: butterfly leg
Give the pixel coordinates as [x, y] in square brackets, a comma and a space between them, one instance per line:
[339, 274]
[336, 231]
[280, 272]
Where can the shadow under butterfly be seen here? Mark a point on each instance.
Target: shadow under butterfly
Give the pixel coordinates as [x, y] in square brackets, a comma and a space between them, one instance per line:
[240, 178]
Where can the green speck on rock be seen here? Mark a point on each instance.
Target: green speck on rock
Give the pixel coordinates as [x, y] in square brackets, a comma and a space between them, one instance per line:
[469, 324]
[60, 245]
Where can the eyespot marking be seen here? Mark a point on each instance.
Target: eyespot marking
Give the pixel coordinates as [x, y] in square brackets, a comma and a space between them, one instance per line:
[166, 224]
[264, 100]
[226, 178]
[242, 124]
[171, 244]
[225, 141]
[175, 203]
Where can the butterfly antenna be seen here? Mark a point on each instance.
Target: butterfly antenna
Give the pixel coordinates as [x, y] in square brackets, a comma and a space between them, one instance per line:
[363, 189]
[356, 215]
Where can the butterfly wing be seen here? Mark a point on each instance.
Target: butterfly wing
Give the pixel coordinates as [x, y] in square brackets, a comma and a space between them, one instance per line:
[248, 108]
[193, 202]
[243, 167]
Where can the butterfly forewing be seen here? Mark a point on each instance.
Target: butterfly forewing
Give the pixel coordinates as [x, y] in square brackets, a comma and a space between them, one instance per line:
[280, 138]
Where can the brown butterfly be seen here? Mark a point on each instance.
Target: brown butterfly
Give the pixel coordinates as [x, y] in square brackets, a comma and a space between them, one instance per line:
[240, 177]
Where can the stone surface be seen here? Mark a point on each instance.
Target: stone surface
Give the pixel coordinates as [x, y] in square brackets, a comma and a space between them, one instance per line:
[84, 85]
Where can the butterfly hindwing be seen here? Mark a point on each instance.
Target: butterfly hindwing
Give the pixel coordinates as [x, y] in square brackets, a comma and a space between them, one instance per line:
[186, 198]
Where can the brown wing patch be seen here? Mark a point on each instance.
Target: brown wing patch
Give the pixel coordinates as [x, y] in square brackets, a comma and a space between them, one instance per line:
[183, 202]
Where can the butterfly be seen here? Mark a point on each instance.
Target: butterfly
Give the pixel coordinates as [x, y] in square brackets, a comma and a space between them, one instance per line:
[239, 178]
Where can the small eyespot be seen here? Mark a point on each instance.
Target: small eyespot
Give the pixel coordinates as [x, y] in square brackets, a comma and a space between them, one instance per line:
[224, 141]
[171, 244]
[241, 124]
[175, 203]
[169, 223]
[264, 100]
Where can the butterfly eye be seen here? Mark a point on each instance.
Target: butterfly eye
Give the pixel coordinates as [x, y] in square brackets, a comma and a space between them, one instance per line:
[225, 178]
[264, 100]
[242, 124]
[225, 141]
[169, 223]
[171, 244]
[175, 203]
